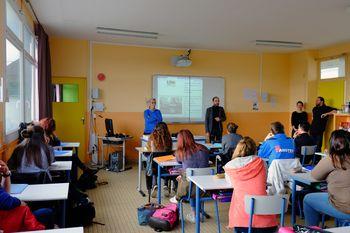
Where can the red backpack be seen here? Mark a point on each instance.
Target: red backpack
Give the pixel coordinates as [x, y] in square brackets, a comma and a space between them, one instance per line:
[165, 219]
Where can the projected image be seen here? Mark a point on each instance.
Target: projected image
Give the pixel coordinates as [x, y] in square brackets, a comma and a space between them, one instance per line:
[170, 104]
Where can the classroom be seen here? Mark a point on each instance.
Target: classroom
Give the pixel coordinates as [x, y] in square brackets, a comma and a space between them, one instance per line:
[180, 116]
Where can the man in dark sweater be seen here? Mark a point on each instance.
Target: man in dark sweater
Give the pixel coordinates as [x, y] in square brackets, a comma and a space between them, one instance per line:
[214, 117]
[302, 138]
[320, 115]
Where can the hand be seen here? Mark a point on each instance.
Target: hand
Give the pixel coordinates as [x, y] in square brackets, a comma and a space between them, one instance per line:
[296, 134]
[324, 115]
[178, 178]
[268, 136]
[217, 119]
[3, 168]
[23, 203]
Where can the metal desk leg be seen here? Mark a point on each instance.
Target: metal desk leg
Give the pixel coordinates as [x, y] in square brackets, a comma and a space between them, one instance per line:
[159, 185]
[63, 220]
[123, 155]
[294, 186]
[139, 188]
[103, 154]
[198, 204]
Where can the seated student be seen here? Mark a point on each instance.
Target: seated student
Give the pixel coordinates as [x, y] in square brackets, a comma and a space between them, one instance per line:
[49, 126]
[277, 145]
[191, 155]
[14, 214]
[303, 138]
[32, 154]
[247, 173]
[160, 141]
[230, 140]
[335, 169]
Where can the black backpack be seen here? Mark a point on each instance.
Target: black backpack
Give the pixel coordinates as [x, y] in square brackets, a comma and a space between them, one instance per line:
[87, 181]
[81, 210]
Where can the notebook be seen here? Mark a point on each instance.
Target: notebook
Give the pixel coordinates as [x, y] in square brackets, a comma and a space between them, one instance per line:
[18, 188]
[165, 158]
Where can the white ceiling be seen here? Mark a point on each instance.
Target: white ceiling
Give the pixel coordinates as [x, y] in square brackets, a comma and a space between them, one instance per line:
[201, 24]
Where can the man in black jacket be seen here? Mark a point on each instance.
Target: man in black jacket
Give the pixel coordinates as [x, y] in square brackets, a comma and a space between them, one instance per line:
[214, 117]
[320, 115]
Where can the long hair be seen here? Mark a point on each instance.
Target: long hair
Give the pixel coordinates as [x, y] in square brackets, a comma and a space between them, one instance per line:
[161, 137]
[49, 125]
[33, 144]
[339, 148]
[245, 147]
[186, 146]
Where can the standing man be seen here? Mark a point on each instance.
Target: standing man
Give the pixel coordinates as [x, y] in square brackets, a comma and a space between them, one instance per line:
[320, 115]
[214, 117]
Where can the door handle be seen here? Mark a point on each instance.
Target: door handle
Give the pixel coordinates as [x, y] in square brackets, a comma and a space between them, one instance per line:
[83, 120]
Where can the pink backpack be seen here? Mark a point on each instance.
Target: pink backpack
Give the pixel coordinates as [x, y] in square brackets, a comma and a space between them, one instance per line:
[165, 219]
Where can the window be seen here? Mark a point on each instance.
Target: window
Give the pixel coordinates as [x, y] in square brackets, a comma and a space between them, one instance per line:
[334, 68]
[21, 88]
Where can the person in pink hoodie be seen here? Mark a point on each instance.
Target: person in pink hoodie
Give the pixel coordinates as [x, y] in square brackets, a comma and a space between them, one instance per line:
[247, 173]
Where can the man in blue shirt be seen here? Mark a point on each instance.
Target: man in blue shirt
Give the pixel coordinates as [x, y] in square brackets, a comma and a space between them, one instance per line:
[152, 116]
[277, 145]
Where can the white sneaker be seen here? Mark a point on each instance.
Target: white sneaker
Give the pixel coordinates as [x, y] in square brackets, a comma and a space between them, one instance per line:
[166, 191]
[154, 191]
[173, 200]
[191, 218]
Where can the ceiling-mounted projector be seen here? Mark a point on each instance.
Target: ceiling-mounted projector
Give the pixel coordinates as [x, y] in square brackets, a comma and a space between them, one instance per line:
[182, 60]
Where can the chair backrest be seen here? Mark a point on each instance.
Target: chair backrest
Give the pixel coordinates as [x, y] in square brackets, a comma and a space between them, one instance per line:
[265, 205]
[30, 178]
[308, 150]
[200, 171]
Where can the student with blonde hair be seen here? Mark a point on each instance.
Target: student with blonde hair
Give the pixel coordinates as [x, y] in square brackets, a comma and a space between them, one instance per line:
[247, 173]
[152, 116]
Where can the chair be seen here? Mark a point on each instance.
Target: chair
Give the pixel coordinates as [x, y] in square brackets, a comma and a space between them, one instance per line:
[308, 151]
[30, 178]
[198, 172]
[265, 205]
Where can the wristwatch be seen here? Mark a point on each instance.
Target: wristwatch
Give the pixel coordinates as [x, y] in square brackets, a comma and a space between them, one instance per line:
[7, 175]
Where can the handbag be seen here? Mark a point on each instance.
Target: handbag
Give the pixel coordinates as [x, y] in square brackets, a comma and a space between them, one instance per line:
[144, 212]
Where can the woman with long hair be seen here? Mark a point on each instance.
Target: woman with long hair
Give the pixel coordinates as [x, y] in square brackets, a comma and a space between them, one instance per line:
[335, 169]
[32, 154]
[160, 141]
[247, 173]
[191, 155]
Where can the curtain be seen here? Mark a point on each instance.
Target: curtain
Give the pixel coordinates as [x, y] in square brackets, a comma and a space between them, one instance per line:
[44, 73]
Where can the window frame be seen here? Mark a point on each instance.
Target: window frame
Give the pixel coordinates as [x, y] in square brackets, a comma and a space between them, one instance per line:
[329, 59]
[12, 135]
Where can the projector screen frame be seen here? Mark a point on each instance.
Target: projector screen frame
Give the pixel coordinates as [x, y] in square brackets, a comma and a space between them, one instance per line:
[221, 96]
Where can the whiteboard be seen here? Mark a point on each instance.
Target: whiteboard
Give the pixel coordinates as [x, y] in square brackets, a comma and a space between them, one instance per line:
[184, 99]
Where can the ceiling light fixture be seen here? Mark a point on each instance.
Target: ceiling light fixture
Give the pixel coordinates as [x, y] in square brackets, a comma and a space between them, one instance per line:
[127, 33]
[276, 43]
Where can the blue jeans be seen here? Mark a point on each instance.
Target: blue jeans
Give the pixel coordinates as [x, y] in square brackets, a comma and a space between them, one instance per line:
[45, 216]
[316, 204]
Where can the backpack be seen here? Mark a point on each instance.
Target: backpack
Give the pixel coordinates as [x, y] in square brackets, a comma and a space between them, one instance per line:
[87, 181]
[81, 210]
[114, 164]
[165, 219]
[144, 212]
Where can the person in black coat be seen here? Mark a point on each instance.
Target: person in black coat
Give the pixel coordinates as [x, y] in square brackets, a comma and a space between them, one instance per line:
[303, 138]
[298, 116]
[214, 117]
[320, 115]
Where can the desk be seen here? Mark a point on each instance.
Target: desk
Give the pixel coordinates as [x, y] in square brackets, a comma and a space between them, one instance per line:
[70, 144]
[321, 154]
[339, 229]
[206, 183]
[169, 163]
[62, 230]
[113, 139]
[197, 138]
[46, 192]
[61, 166]
[303, 179]
[63, 153]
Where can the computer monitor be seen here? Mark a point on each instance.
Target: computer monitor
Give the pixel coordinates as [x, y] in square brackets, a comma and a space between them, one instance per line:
[109, 127]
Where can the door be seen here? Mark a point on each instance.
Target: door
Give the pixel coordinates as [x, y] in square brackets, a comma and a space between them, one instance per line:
[69, 110]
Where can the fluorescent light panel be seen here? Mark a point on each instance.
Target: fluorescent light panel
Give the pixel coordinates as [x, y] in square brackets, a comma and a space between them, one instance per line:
[274, 43]
[127, 33]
